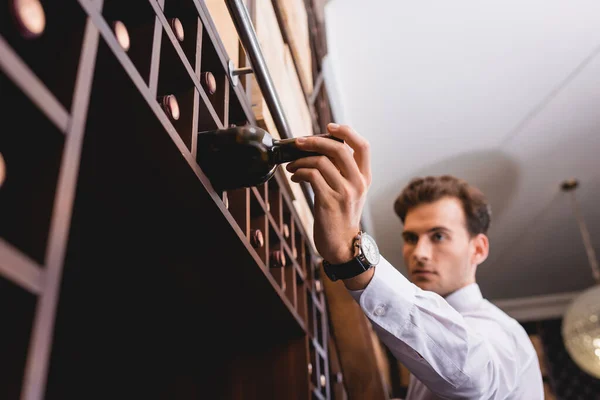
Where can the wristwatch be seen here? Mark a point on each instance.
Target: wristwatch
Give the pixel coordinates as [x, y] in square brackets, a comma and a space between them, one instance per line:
[366, 256]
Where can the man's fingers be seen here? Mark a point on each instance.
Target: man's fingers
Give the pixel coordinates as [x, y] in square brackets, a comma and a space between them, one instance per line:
[338, 152]
[329, 171]
[316, 180]
[361, 147]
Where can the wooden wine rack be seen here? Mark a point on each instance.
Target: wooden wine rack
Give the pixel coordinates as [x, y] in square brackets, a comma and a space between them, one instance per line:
[123, 274]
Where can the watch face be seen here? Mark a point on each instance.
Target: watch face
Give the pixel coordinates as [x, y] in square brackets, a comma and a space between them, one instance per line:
[369, 249]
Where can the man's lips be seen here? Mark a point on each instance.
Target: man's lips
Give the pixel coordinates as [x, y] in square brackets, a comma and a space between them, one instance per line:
[423, 272]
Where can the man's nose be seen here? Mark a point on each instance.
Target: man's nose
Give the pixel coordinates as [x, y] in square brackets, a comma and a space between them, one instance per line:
[422, 250]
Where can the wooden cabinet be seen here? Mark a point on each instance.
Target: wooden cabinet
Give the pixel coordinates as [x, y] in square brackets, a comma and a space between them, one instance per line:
[123, 274]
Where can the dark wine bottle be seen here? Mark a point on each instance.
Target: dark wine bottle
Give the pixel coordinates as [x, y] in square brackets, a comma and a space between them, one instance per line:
[225, 198]
[323, 380]
[170, 106]
[245, 156]
[2, 170]
[209, 82]
[318, 286]
[286, 231]
[257, 239]
[29, 16]
[278, 259]
[177, 27]
[121, 33]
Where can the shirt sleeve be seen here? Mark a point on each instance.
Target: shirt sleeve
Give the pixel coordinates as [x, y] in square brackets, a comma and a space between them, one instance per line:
[455, 356]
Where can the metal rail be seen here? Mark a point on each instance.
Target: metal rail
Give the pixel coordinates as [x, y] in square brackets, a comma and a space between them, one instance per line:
[247, 34]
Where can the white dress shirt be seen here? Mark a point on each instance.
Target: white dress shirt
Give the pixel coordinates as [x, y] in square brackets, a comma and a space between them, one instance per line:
[460, 347]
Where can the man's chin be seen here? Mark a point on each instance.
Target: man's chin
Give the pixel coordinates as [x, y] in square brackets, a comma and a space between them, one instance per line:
[425, 284]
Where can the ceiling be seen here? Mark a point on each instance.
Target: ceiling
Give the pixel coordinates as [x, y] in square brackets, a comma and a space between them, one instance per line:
[504, 94]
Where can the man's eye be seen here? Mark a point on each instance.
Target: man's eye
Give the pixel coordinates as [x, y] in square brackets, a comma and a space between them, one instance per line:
[410, 239]
[438, 237]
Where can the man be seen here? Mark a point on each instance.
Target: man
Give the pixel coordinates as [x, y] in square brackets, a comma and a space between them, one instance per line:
[456, 344]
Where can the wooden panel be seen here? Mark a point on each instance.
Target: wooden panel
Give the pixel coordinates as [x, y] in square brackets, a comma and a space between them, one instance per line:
[225, 27]
[352, 333]
[539, 350]
[294, 101]
[536, 340]
[280, 64]
[404, 375]
[381, 360]
[295, 22]
[298, 114]
[320, 37]
[273, 49]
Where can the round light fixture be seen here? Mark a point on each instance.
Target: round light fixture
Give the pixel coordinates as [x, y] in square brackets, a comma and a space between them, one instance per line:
[581, 322]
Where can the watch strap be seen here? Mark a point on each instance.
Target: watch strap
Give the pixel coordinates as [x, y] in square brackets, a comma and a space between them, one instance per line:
[347, 270]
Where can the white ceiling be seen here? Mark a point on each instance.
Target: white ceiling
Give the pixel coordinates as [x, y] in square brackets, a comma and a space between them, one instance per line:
[505, 94]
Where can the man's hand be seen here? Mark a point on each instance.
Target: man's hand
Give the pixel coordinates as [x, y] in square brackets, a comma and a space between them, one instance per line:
[340, 180]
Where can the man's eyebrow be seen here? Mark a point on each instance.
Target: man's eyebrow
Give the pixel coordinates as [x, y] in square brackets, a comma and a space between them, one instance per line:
[440, 229]
[408, 233]
[405, 234]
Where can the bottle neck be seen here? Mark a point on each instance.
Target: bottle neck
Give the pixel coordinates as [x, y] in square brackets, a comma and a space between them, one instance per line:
[284, 151]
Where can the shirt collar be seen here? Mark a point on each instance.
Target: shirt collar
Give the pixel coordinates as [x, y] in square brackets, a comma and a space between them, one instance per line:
[465, 298]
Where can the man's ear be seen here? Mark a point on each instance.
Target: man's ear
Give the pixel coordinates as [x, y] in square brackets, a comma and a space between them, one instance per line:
[481, 249]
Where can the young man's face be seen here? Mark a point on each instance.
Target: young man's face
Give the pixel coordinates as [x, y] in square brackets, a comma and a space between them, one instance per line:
[439, 253]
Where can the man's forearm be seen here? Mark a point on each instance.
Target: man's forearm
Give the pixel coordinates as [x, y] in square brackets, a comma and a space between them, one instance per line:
[361, 281]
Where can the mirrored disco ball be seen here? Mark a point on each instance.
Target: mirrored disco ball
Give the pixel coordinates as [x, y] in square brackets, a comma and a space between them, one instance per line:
[581, 331]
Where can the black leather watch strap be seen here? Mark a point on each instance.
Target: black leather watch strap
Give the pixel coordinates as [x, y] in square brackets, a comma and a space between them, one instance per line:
[348, 270]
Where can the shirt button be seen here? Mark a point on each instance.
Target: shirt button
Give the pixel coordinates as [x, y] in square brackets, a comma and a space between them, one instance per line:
[379, 311]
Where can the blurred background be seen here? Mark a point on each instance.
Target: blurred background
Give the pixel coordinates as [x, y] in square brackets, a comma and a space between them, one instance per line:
[503, 94]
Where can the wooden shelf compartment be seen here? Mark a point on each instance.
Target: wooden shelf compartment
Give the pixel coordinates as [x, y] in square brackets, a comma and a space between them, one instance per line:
[190, 52]
[54, 55]
[211, 63]
[17, 307]
[323, 376]
[317, 299]
[154, 268]
[261, 195]
[320, 334]
[174, 80]
[259, 221]
[336, 376]
[20, 269]
[291, 281]
[275, 245]
[271, 369]
[31, 148]
[311, 325]
[239, 103]
[301, 297]
[313, 368]
[300, 250]
[238, 205]
[142, 26]
[313, 264]
[186, 12]
[275, 200]
[236, 113]
[316, 395]
[288, 225]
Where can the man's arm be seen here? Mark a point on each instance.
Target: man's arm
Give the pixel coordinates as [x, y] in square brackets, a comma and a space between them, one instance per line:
[456, 357]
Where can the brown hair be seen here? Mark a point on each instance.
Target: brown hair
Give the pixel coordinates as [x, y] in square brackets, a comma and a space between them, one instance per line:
[432, 188]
